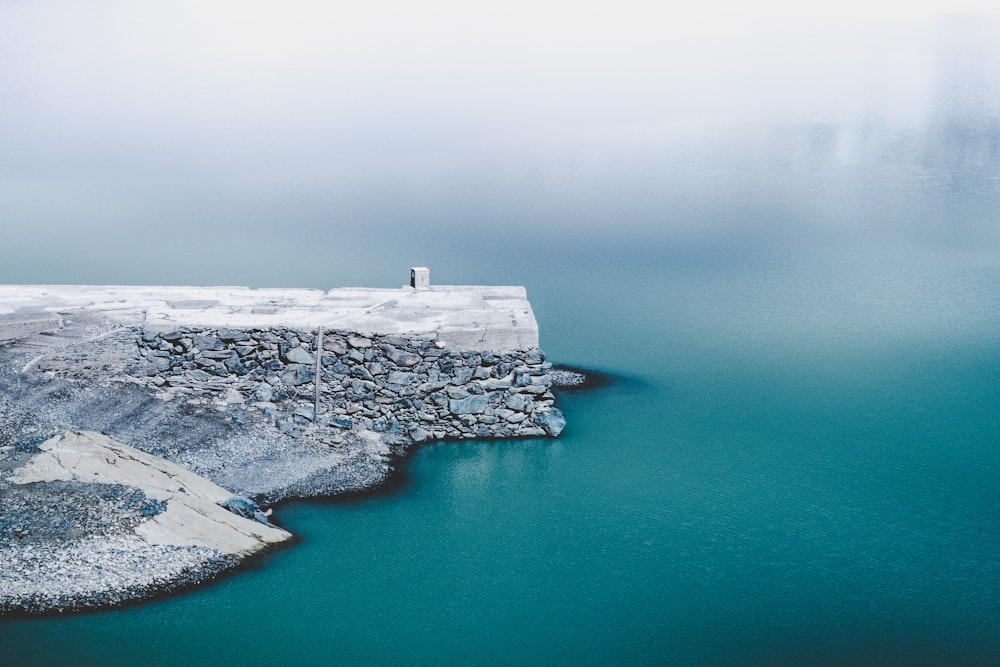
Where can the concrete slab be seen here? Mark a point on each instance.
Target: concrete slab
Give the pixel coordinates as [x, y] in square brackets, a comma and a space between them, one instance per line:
[463, 317]
[193, 516]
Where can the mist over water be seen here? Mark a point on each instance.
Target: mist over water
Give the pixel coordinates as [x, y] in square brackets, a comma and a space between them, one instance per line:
[776, 229]
[143, 144]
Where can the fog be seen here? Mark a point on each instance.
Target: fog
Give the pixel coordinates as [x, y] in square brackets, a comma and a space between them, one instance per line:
[140, 138]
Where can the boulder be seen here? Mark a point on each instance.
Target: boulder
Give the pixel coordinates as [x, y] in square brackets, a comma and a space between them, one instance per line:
[551, 420]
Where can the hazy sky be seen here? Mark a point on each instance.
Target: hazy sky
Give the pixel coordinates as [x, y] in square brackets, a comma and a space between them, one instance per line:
[201, 115]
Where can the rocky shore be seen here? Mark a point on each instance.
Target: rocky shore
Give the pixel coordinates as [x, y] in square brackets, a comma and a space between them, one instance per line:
[92, 403]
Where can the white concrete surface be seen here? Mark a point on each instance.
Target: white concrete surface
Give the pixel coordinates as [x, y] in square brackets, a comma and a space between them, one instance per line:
[462, 317]
[193, 516]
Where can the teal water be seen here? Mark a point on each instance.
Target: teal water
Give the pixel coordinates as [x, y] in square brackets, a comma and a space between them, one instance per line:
[796, 463]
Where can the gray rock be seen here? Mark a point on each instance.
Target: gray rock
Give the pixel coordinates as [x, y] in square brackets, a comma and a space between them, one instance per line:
[535, 356]
[474, 405]
[287, 426]
[156, 365]
[307, 411]
[264, 393]
[402, 378]
[359, 342]
[362, 372]
[233, 336]
[399, 357]
[498, 383]
[551, 420]
[457, 393]
[206, 342]
[240, 506]
[418, 434]
[335, 345]
[296, 374]
[236, 366]
[462, 376]
[518, 402]
[299, 355]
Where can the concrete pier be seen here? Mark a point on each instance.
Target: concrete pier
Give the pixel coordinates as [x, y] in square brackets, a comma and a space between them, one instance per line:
[463, 318]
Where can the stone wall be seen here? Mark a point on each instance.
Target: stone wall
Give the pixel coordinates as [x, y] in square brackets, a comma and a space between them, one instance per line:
[410, 389]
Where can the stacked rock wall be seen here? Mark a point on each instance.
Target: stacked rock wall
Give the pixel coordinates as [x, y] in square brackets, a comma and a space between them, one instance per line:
[414, 389]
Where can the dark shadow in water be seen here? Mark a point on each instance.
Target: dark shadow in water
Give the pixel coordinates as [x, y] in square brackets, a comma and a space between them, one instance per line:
[397, 483]
[594, 379]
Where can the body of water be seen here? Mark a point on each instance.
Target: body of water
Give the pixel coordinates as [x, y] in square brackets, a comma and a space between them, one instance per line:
[796, 463]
